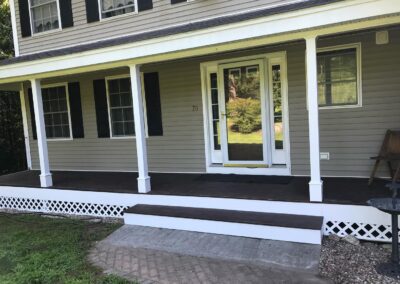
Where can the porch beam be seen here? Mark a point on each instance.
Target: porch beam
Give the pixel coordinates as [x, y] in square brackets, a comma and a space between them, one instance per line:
[144, 185]
[45, 175]
[315, 185]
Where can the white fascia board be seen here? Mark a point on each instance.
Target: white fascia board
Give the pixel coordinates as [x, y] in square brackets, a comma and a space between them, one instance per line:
[288, 26]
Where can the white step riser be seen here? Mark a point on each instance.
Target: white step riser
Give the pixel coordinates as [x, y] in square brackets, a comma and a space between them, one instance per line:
[226, 228]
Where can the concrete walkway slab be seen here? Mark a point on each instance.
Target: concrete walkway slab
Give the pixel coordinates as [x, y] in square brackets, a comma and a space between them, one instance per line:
[152, 255]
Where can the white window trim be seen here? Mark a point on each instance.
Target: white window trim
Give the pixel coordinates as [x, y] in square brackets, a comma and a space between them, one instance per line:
[357, 46]
[64, 84]
[118, 16]
[33, 33]
[125, 76]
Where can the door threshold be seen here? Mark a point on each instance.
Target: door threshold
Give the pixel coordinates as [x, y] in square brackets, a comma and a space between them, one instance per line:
[279, 170]
[249, 166]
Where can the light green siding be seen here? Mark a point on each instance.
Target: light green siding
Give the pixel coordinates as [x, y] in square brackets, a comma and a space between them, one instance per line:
[162, 15]
[350, 135]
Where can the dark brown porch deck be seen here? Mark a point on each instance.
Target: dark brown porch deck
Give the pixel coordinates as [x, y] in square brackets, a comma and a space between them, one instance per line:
[274, 188]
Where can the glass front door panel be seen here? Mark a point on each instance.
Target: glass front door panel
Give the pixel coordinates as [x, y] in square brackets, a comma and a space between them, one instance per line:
[243, 113]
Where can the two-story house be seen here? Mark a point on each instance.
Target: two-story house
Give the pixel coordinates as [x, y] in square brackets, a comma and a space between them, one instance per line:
[190, 107]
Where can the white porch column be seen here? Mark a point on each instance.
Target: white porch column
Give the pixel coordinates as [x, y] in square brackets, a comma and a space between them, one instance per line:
[45, 175]
[25, 127]
[315, 185]
[140, 132]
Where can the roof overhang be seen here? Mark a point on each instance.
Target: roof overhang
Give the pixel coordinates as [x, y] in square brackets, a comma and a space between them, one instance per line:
[323, 20]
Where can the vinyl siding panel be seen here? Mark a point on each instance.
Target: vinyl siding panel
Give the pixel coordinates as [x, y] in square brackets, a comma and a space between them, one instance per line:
[162, 15]
[353, 135]
[350, 135]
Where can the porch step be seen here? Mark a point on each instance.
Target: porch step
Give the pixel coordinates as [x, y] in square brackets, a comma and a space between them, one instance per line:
[272, 226]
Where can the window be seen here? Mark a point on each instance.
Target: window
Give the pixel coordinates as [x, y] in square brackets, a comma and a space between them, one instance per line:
[338, 77]
[56, 112]
[120, 107]
[111, 8]
[44, 15]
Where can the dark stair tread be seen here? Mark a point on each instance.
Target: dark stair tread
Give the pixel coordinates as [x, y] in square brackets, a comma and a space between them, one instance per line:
[234, 216]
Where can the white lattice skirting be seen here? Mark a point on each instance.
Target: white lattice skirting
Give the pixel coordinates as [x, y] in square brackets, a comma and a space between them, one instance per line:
[62, 207]
[362, 231]
[363, 222]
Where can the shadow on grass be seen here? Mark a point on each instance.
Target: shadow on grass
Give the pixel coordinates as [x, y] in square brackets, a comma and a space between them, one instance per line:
[35, 249]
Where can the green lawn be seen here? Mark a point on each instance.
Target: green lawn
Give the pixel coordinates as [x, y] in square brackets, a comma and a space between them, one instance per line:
[35, 249]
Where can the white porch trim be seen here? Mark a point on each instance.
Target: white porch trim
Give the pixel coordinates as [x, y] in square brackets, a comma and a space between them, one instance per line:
[144, 185]
[45, 175]
[315, 185]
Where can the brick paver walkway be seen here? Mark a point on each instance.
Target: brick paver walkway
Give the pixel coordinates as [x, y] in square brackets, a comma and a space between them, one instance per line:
[154, 265]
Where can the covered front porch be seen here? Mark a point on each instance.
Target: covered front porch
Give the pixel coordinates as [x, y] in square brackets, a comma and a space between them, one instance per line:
[173, 130]
[350, 191]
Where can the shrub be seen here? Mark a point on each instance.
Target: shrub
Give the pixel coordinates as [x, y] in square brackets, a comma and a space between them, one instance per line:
[244, 114]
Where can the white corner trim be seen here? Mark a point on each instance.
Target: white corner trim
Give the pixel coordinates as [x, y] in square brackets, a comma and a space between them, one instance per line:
[14, 27]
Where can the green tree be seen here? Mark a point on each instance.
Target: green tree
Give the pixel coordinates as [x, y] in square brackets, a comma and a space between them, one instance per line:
[6, 40]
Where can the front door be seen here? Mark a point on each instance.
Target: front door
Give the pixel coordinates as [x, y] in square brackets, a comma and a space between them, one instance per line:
[246, 112]
[243, 124]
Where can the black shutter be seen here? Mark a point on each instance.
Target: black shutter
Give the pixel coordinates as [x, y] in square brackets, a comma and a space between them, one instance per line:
[153, 104]
[24, 18]
[177, 1]
[32, 111]
[66, 14]
[92, 11]
[100, 99]
[145, 5]
[75, 106]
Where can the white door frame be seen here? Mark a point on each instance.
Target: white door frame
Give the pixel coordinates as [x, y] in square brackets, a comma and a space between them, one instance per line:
[215, 155]
[270, 58]
[280, 156]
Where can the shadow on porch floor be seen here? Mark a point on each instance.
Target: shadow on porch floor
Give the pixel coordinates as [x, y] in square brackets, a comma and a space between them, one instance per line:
[293, 189]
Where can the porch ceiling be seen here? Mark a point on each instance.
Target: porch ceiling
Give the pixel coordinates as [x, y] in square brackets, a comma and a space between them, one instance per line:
[273, 188]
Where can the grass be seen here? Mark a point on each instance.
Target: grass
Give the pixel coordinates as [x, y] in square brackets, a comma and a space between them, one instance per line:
[35, 249]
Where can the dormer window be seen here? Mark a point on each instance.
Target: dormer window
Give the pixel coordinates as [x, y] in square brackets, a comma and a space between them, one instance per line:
[44, 15]
[111, 8]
